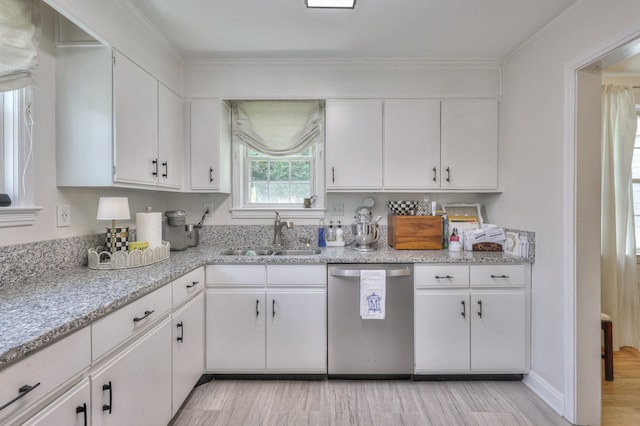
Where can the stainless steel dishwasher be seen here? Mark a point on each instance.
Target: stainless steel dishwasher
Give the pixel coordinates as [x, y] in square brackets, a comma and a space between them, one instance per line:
[370, 348]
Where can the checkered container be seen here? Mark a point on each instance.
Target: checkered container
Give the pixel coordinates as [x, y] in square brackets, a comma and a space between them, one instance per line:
[121, 237]
[402, 208]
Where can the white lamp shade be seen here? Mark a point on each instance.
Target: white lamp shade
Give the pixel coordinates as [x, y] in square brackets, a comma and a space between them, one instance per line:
[113, 208]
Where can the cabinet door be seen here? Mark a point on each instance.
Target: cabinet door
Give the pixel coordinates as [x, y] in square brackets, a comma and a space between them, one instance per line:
[441, 327]
[210, 146]
[135, 107]
[70, 409]
[188, 349]
[498, 331]
[354, 144]
[411, 144]
[469, 144]
[235, 331]
[297, 331]
[170, 138]
[135, 387]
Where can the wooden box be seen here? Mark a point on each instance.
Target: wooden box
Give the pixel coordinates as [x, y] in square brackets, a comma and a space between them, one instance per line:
[415, 232]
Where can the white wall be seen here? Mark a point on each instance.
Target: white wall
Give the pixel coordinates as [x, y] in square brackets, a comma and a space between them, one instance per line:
[534, 162]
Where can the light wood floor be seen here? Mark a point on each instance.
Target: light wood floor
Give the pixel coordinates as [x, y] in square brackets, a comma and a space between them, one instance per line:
[621, 397]
[337, 402]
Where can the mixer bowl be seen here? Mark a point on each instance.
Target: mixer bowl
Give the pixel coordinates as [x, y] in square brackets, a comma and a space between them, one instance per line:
[365, 235]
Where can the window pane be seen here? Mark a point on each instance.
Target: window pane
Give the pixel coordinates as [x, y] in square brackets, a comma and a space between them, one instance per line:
[279, 193]
[299, 191]
[259, 171]
[279, 171]
[301, 171]
[259, 192]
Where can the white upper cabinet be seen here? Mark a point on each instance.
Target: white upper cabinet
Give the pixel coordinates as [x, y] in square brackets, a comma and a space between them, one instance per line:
[469, 143]
[117, 124]
[210, 146]
[135, 96]
[353, 144]
[170, 138]
[411, 144]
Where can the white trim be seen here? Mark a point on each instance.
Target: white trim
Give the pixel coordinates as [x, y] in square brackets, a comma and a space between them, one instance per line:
[18, 216]
[570, 289]
[285, 213]
[569, 248]
[552, 396]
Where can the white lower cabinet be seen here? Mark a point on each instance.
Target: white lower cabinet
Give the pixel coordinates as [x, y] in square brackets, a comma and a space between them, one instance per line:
[70, 409]
[134, 388]
[498, 330]
[187, 350]
[273, 322]
[482, 327]
[442, 331]
[296, 330]
[235, 330]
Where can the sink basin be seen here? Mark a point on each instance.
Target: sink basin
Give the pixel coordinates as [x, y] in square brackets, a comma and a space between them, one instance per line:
[247, 252]
[299, 252]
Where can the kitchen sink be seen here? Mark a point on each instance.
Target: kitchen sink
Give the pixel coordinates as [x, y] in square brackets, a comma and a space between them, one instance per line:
[297, 252]
[268, 252]
[247, 252]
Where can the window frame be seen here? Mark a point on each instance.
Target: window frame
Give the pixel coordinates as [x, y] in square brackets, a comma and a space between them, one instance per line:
[20, 215]
[242, 209]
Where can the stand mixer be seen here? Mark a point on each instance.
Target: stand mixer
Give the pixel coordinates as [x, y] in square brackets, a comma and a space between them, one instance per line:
[365, 230]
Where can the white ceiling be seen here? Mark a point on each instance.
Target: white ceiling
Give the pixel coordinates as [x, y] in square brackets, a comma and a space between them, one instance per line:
[375, 29]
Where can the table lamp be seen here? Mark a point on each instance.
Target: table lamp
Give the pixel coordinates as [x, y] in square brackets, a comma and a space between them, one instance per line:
[115, 208]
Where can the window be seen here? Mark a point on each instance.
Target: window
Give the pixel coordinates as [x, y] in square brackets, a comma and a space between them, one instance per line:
[278, 158]
[278, 180]
[635, 175]
[16, 157]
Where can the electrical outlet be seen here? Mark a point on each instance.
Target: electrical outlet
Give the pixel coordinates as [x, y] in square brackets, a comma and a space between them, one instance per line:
[207, 209]
[63, 216]
[336, 209]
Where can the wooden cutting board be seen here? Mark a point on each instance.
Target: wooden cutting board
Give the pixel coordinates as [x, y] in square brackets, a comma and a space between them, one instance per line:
[415, 232]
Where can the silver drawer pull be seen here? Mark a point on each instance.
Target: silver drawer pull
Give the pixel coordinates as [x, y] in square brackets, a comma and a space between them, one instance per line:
[355, 273]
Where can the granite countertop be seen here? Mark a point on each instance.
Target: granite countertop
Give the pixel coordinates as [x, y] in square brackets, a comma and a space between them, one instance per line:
[49, 307]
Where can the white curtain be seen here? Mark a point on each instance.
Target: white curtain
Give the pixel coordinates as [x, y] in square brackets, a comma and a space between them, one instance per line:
[277, 128]
[18, 43]
[619, 288]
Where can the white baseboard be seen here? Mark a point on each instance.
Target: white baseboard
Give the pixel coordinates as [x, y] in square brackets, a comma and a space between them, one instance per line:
[544, 390]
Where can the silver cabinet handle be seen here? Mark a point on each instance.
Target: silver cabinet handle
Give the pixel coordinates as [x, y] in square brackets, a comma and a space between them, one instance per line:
[355, 273]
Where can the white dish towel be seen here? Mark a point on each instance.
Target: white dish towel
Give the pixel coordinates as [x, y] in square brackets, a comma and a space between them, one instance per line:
[373, 289]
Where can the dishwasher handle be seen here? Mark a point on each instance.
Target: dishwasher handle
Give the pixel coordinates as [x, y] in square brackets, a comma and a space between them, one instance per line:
[355, 273]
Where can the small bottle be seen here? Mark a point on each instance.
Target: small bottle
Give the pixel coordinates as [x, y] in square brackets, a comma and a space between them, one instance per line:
[321, 241]
[454, 241]
[445, 232]
[331, 232]
[339, 233]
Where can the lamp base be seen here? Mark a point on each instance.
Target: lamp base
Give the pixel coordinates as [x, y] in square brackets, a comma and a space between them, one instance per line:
[117, 239]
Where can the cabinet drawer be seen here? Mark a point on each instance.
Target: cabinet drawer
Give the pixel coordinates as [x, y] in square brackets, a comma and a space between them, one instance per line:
[63, 411]
[235, 275]
[116, 327]
[497, 275]
[187, 285]
[297, 275]
[441, 276]
[51, 367]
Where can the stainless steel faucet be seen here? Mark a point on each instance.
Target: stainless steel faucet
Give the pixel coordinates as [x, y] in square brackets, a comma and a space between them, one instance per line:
[277, 229]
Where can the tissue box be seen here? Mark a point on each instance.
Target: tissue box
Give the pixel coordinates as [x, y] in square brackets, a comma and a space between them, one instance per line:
[415, 232]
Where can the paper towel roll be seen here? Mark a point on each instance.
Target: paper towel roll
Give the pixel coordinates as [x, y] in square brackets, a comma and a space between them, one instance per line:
[149, 228]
